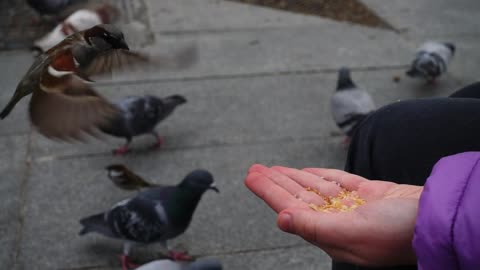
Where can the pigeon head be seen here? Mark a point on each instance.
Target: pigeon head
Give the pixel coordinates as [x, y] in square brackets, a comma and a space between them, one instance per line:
[344, 80]
[152, 109]
[200, 181]
[105, 37]
[428, 65]
[116, 170]
[450, 46]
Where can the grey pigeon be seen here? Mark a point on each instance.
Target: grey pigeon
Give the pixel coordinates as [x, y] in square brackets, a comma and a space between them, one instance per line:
[200, 264]
[52, 7]
[431, 60]
[140, 115]
[154, 215]
[349, 104]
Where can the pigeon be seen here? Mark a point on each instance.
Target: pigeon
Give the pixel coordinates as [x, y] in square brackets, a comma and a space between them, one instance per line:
[139, 115]
[63, 105]
[200, 264]
[431, 60]
[125, 179]
[78, 21]
[349, 104]
[52, 7]
[154, 215]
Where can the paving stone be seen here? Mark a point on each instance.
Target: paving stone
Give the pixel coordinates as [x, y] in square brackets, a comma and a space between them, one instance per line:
[305, 258]
[280, 50]
[13, 66]
[170, 16]
[62, 192]
[427, 17]
[250, 110]
[12, 169]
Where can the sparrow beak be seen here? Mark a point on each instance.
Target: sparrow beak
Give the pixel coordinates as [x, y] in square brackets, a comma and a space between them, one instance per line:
[123, 45]
[214, 188]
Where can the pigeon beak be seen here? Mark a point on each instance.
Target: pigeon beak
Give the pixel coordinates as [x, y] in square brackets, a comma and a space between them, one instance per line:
[214, 188]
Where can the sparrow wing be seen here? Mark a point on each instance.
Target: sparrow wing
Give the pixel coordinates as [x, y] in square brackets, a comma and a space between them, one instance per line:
[121, 60]
[66, 107]
[113, 60]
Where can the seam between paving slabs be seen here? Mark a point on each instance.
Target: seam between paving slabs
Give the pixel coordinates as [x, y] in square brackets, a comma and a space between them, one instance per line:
[231, 253]
[252, 75]
[289, 139]
[23, 199]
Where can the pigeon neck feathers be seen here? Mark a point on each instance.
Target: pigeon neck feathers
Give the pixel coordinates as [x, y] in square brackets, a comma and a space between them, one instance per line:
[181, 205]
[344, 80]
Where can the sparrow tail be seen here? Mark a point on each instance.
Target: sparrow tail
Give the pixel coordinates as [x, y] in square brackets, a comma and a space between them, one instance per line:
[6, 111]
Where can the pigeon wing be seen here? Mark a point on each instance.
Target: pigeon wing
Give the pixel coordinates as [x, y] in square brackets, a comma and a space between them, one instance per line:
[139, 220]
[351, 102]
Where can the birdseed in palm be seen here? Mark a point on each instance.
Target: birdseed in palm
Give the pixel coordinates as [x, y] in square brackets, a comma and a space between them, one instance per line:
[345, 201]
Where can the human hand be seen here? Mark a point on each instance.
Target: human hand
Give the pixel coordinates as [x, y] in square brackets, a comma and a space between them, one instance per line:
[378, 233]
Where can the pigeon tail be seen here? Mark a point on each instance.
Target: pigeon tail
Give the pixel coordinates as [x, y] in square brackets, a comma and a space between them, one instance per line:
[451, 46]
[344, 79]
[411, 72]
[96, 223]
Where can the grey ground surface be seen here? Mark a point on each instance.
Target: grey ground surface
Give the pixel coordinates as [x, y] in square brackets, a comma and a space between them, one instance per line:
[258, 92]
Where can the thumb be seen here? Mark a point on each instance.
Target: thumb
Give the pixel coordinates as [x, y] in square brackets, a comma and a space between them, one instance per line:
[300, 221]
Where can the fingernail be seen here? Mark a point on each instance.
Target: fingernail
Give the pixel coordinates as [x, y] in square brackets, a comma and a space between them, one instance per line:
[285, 222]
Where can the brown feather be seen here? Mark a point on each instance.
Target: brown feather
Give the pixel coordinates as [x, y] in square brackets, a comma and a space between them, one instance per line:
[115, 60]
[70, 111]
[129, 180]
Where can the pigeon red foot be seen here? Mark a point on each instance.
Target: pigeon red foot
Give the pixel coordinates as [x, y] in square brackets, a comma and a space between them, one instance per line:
[127, 263]
[180, 256]
[121, 151]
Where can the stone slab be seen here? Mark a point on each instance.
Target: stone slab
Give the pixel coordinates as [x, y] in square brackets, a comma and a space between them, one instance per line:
[279, 50]
[13, 65]
[62, 192]
[12, 169]
[249, 110]
[172, 16]
[429, 17]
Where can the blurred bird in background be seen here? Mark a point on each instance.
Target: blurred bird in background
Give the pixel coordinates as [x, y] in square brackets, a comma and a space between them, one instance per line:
[125, 179]
[56, 9]
[63, 105]
[139, 115]
[80, 20]
[349, 104]
[153, 216]
[431, 60]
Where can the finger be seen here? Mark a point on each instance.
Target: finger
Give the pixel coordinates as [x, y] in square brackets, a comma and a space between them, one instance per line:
[307, 179]
[279, 178]
[275, 196]
[346, 180]
[323, 229]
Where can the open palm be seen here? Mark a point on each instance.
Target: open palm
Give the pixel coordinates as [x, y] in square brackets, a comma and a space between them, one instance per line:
[378, 233]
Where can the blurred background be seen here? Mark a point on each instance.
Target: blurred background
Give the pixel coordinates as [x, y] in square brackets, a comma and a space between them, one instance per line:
[258, 92]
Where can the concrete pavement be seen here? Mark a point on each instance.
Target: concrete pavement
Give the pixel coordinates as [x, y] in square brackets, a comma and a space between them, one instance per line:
[259, 92]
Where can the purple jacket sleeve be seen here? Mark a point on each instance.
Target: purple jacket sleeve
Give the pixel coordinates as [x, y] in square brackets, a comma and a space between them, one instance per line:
[447, 231]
